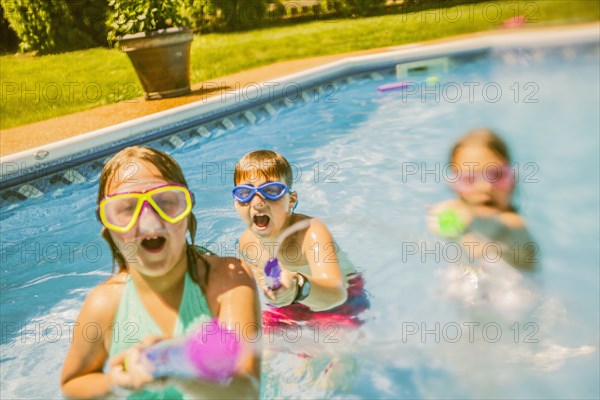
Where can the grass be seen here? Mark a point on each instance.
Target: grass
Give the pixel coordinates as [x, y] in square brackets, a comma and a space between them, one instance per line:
[39, 88]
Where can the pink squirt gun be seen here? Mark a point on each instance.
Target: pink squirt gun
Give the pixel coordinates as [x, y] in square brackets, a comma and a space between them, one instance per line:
[210, 353]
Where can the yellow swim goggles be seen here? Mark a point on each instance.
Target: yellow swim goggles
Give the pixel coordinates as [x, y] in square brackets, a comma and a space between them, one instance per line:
[119, 212]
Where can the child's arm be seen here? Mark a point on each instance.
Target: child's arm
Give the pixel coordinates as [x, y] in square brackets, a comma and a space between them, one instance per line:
[506, 234]
[485, 229]
[232, 297]
[327, 288]
[82, 375]
[235, 291]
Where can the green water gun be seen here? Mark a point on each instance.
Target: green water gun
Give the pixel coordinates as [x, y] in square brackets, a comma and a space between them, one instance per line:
[450, 225]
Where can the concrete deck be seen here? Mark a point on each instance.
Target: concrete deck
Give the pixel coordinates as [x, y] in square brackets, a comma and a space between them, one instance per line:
[29, 136]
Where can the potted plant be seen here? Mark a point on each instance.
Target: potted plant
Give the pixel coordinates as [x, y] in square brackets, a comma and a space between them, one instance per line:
[156, 37]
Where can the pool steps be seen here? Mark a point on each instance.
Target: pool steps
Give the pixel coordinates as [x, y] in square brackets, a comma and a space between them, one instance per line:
[423, 67]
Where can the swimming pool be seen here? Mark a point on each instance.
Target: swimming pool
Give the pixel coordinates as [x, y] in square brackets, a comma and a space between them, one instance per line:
[368, 164]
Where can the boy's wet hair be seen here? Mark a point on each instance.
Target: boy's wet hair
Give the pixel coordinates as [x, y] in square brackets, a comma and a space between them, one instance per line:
[127, 162]
[264, 164]
[484, 137]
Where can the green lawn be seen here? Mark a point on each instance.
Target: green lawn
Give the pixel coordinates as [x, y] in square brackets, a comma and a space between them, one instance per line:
[38, 88]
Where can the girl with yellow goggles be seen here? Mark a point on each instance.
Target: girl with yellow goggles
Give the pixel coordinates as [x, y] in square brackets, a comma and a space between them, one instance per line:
[119, 212]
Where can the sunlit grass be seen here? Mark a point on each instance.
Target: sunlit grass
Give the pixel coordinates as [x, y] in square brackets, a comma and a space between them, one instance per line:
[39, 88]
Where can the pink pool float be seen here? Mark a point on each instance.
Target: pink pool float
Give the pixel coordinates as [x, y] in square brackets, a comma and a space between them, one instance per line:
[515, 22]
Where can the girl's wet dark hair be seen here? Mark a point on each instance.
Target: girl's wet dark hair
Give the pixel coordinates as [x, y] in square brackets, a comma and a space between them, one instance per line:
[127, 161]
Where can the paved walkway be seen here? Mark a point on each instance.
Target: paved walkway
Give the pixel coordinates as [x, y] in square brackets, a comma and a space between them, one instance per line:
[40, 133]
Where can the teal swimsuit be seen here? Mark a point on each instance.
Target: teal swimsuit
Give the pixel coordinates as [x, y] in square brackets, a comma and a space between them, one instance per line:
[133, 323]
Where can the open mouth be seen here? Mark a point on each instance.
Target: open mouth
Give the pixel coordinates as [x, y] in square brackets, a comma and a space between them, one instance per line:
[261, 221]
[154, 245]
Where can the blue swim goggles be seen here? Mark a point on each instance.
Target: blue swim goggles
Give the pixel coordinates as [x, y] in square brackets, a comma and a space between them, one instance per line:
[269, 191]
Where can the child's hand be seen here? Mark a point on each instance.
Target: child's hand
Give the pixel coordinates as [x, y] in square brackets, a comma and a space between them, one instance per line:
[449, 219]
[285, 295]
[129, 370]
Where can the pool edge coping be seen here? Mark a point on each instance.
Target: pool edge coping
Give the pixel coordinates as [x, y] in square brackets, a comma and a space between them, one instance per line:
[40, 156]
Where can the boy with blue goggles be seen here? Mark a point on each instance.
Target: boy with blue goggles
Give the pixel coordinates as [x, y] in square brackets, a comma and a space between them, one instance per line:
[269, 191]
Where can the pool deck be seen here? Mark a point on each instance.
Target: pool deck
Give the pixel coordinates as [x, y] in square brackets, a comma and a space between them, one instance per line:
[44, 132]
[33, 135]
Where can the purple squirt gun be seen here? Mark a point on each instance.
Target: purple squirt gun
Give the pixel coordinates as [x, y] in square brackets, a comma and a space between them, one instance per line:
[272, 267]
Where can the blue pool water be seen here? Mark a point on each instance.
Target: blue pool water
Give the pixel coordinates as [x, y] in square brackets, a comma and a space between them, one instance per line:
[369, 164]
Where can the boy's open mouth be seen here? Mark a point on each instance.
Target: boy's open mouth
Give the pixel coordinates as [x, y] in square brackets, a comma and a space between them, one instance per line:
[261, 220]
[154, 245]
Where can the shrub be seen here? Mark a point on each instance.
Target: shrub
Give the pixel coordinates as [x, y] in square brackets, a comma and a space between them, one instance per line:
[422, 5]
[362, 8]
[136, 16]
[230, 15]
[56, 25]
[10, 41]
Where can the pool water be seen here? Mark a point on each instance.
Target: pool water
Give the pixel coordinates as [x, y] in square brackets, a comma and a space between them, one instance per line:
[369, 164]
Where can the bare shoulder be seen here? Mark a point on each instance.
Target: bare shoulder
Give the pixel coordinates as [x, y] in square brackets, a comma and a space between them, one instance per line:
[318, 246]
[317, 224]
[221, 277]
[228, 270]
[312, 224]
[102, 301]
[316, 231]
[223, 274]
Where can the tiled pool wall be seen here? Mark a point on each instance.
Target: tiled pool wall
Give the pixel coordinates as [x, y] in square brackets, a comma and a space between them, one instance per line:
[205, 121]
[86, 166]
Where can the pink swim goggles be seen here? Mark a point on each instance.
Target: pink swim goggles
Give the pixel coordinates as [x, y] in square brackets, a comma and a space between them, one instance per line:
[498, 175]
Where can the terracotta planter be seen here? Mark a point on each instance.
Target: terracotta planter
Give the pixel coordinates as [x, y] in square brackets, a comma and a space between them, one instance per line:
[161, 60]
